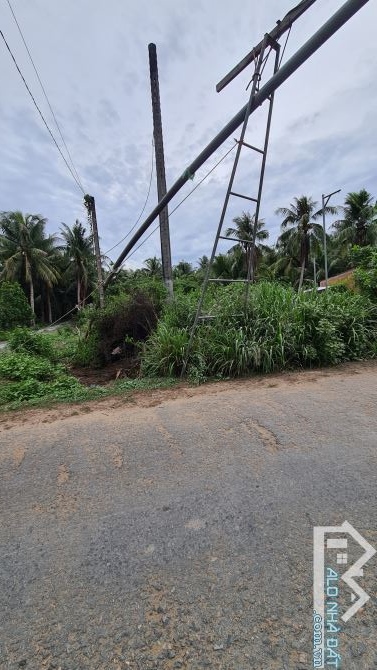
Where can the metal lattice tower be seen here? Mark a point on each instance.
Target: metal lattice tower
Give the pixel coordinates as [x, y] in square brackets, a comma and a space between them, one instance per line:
[259, 65]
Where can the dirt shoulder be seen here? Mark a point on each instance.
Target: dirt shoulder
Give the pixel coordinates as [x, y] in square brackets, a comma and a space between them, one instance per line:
[152, 398]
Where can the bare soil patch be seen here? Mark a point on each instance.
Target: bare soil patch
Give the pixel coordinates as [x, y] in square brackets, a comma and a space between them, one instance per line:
[120, 369]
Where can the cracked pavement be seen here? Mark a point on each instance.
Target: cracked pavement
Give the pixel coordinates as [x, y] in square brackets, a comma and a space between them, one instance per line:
[176, 532]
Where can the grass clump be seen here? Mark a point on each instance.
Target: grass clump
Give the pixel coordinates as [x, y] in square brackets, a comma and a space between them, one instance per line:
[278, 329]
[64, 343]
[62, 388]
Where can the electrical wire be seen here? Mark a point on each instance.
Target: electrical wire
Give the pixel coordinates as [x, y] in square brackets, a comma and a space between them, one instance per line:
[205, 177]
[182, 201]
[286, 42]
[115, 245]
[69, 311]
[264, 63]
[40, 113]
[154, 229]
[45, 95]
[142, 211]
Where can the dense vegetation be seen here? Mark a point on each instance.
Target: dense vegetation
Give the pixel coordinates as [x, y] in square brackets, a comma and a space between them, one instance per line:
[279, 326]
[279, 329]
[14, 308]
[35, 368]
[57, 272]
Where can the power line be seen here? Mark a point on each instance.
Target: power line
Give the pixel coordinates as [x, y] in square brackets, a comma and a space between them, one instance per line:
[45, 95]
[154, 229]
[183, 200]
[285, 45]
[212, 169]
[40, 113]
[204, 178]
[142, 211]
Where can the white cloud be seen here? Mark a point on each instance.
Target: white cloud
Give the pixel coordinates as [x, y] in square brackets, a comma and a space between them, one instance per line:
[93, 60]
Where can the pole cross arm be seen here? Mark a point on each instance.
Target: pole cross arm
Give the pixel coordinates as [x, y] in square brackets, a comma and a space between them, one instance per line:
[324, 33]
[275, 34]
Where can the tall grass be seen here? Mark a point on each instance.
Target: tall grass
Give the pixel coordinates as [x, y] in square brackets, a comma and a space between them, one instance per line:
[279, 329]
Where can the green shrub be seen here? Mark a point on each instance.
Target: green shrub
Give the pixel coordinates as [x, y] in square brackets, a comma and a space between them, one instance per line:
[28, 341]
[62, 388]
[65, 387]
[127, 286]
[83, 316]
[365, 258]
[14, 307]
[21, 391]
[18, 366]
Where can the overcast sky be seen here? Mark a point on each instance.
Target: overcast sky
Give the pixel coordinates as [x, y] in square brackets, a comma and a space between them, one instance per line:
[93, 60]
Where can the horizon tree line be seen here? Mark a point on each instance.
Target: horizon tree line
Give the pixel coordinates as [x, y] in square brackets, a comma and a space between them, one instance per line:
[57, 271]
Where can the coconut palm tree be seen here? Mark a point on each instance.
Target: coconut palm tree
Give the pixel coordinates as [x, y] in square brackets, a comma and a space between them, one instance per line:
[266, 262]
[182, 269]
[79, 254]
[250, 234]
[153, 267]
[359, 225]
[222, 266]
[300, 230]
[203, 263]
[50, 246]
[26, 252]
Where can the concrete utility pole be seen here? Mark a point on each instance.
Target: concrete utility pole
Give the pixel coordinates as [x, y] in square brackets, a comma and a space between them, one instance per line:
[91, 208]
[160, 170]
[285, 71]
[325, 201]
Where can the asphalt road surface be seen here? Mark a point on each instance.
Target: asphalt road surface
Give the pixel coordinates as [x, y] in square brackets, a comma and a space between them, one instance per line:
[175, 530]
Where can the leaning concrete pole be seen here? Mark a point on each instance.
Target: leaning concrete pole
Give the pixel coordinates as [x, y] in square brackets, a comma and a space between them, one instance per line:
[328, 29]
[90, 205]
[160, 171]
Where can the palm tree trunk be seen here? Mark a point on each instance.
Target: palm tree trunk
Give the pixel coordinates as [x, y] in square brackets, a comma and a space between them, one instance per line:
[29, 280]
[84, 292]
[78, 293]
[304, 257]
[253, 261]
[49, 310]
[301, 275]
[31, 287]
[247, 259]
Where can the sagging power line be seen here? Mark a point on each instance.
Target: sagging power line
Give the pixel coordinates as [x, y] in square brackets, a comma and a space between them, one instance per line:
[45, 95]
[40, 113]
[315, 42]
[181, 202]
[143, 208]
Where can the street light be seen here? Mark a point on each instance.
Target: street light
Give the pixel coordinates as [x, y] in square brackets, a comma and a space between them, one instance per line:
[325, 200]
